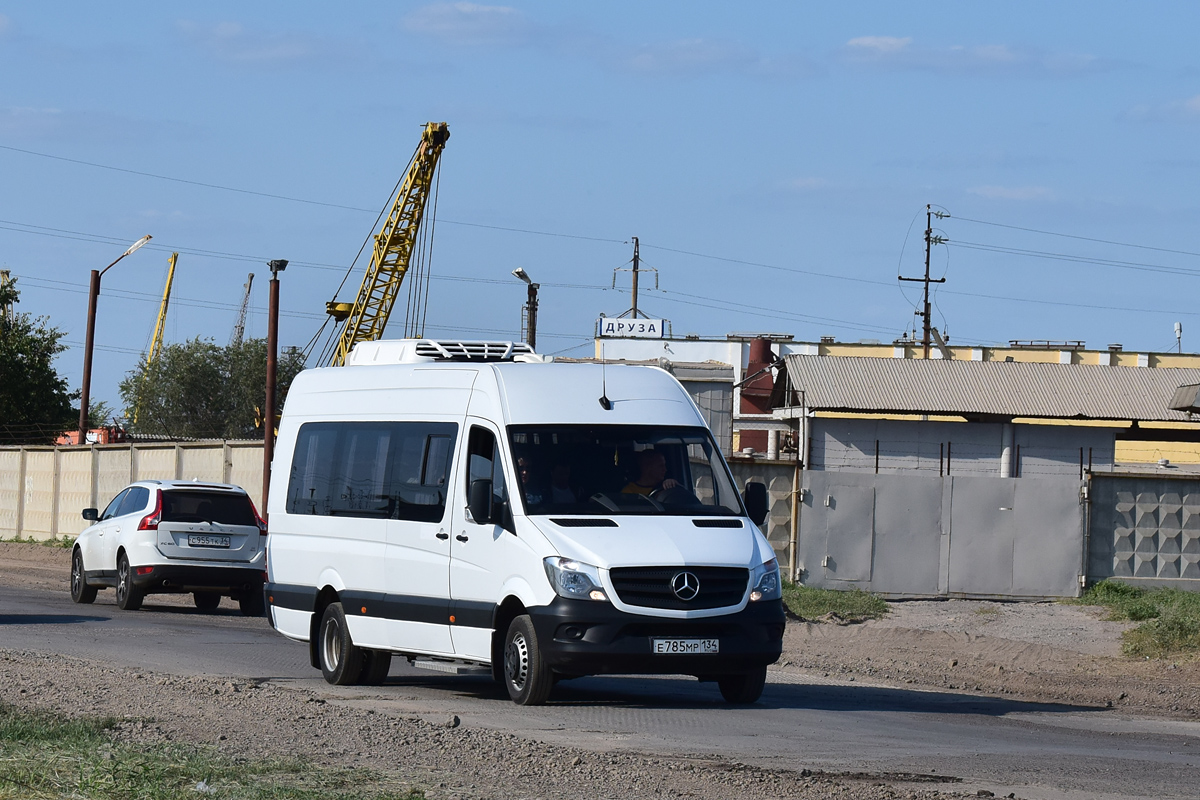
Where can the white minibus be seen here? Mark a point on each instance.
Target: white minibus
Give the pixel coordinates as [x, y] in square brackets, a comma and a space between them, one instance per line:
[473, 506]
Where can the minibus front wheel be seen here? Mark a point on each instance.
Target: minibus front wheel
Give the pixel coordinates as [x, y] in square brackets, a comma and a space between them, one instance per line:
[527, 676]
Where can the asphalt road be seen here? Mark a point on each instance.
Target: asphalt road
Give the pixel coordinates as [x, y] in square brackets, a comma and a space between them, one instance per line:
[1034, 750]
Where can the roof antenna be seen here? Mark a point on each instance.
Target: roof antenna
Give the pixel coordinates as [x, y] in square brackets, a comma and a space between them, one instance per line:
[605, 403]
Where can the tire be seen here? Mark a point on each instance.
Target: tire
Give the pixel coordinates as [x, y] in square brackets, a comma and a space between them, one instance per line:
[526, 675]
[375, 668]
[80, 591]
[252, 603]
[744, 687]
[206, 601]
[129, 597]
[341, 659]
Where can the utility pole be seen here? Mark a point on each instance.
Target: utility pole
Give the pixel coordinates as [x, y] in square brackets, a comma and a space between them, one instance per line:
[636, 262]
[930, 240]
[277, 266]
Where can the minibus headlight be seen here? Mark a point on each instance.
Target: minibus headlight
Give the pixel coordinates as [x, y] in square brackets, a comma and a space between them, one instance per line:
[573, 579]
[765, 581]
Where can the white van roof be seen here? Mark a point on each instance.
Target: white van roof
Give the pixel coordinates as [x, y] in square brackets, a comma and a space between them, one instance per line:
[493, 380]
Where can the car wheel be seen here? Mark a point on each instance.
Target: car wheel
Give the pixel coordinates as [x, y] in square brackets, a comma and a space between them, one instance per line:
[80, 591]
[743, 687]
[526, 675]
[341, 659]
[206, 601]
[251, 603]
[376, 665]
[129, 597]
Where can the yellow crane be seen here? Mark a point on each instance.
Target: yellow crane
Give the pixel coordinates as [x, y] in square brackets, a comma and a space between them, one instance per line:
[160, 327]
[365, 318]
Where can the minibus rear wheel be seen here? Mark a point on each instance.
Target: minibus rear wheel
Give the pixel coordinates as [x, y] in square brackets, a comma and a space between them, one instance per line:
[527, 676]
[341, 659]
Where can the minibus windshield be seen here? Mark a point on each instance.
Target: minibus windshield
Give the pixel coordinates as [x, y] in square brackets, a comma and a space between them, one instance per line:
[621, 469]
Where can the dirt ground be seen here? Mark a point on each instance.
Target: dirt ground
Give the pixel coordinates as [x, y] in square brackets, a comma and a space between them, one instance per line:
[1045, 652]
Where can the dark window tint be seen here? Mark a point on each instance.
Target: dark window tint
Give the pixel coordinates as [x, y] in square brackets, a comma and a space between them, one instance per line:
[484, 462]
[196, 506]
[395, 470]
[110, 510]
[135, 500]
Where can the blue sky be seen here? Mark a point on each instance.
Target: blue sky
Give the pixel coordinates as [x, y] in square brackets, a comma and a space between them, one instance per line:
[774, 159]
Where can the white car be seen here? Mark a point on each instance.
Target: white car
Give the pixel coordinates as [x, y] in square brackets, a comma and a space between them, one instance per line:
[173, 537]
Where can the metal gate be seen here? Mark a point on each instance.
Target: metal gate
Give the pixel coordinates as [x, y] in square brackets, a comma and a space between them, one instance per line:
[1145, 529]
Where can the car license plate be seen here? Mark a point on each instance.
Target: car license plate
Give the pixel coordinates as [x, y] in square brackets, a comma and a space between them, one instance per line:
[207, 540]
[686, 646]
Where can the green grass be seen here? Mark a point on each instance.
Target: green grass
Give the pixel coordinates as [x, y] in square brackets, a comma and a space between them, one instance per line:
[43, 756]
[813, 604]
[1170, 617]
[64, 542]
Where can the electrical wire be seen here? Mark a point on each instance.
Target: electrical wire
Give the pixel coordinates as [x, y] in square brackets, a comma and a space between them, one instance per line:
[1081, 238]
[1103, 262]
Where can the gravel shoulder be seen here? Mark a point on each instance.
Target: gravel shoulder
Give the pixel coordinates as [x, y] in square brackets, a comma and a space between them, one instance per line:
[1031, 651]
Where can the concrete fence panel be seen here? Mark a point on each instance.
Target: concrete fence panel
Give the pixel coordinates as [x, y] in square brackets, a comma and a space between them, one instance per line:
[38, 494]
[154, 462]
[202, 463]
[11, 480]
[75, 490]
[114, 468]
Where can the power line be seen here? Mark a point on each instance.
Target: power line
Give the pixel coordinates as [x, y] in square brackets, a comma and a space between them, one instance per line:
[1073, 236]
[1103, 262]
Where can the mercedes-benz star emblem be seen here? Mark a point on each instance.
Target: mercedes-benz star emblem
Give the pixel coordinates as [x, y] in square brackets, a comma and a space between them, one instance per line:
[685, 585]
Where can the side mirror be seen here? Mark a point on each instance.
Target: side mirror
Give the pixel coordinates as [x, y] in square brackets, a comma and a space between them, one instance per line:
[479, 501]
[91, 514]
[755, 498]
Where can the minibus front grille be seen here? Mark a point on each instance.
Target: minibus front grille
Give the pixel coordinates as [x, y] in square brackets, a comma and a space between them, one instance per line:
[717, 523]
[584, 522]
[651, 587]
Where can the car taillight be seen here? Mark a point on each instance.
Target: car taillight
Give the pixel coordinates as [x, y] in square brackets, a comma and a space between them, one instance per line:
[150, 521]
[262, 523]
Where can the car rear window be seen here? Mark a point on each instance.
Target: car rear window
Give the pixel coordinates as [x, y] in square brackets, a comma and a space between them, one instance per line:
[194, 506]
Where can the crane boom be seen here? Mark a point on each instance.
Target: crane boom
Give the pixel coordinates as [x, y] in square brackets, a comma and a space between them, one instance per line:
[239, 327]
[161, 325]
[366, 318]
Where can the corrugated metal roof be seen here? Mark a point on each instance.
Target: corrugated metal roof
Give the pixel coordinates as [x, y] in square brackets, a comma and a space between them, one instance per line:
[993, 388]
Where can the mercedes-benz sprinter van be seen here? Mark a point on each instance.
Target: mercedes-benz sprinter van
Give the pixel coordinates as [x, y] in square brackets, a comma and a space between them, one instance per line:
[473, 506]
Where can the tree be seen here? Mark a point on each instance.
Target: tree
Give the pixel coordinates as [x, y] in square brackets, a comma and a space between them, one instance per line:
[200, 390]
[35, 405]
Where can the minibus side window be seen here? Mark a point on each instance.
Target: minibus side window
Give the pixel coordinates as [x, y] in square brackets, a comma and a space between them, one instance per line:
[396, 470]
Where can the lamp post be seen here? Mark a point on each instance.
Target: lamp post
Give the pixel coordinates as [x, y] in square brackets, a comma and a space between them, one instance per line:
[531, 304]
[93, 293]
[277, 266]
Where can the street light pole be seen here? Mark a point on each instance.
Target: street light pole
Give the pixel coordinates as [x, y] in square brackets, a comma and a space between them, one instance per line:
[531, 306]
[93, 295]
[277, 266]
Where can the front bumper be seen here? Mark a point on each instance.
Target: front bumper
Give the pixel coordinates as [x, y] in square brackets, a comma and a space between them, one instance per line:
[186, 578]
[582, 637]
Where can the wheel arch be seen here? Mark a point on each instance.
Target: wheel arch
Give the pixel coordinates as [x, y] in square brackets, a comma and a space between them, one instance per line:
[508, 610]
[325, 597]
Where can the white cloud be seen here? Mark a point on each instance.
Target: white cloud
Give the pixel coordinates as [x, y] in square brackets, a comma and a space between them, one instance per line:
[879, 44]
[691, 56]
[1186, 110]
[229, 41]
[899, 53]
[472, 24]
[30, 123]
[1012, 192]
